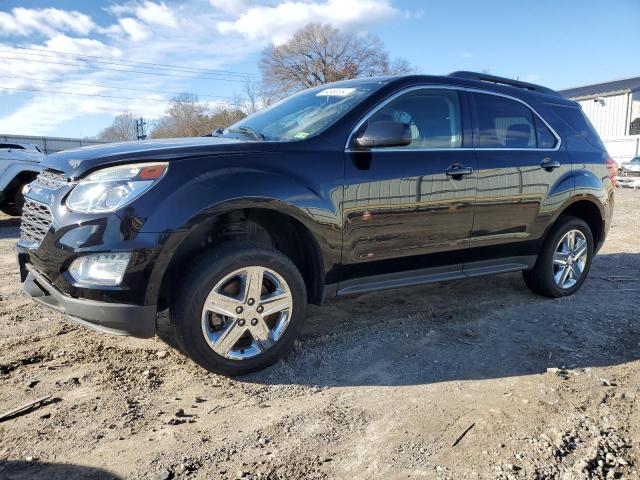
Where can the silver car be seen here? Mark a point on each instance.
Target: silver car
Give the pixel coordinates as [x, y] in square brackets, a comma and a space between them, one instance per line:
[629, 174]
[19, 165]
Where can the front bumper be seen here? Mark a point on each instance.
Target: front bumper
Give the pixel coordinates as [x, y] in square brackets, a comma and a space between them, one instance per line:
[114, 318]
[631, 182]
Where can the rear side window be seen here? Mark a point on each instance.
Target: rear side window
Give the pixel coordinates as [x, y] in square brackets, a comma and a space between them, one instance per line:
[505, 123]
[578, 121]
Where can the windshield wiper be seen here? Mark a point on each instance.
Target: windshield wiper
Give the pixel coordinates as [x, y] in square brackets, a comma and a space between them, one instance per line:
[247, 131]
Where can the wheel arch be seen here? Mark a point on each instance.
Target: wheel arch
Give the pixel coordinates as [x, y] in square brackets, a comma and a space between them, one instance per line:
[13, 178]
[270, 223]
[589, 209]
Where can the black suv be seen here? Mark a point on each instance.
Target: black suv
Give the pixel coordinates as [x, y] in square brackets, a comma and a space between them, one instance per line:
[351, 187]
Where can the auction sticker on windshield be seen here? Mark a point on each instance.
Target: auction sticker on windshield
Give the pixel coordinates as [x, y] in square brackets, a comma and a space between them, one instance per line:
[336, 92]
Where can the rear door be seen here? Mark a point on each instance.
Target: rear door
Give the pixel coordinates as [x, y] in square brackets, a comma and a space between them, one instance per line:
[406, 208]
[521, 166]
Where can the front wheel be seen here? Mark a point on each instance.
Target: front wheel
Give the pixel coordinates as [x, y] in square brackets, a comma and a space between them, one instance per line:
[239, 309]
[564, 260]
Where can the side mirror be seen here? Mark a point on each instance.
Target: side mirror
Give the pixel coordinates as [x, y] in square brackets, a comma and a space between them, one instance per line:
[384, 134]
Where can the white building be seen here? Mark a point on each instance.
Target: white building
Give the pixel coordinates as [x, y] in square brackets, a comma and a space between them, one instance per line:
[614, 110]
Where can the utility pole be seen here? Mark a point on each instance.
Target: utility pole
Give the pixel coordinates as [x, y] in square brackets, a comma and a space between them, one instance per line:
[140, 129]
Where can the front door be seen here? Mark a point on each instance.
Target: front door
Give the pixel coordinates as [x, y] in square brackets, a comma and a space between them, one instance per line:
[410, 208]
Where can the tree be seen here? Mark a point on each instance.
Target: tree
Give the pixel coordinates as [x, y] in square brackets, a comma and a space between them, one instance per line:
[252, 101]
[123, 128]
[319, 54]
[186, 116]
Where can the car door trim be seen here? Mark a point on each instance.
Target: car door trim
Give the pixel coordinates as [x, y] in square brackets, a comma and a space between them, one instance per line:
[397, 94]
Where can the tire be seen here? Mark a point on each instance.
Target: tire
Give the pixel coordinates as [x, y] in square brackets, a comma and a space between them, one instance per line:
[15, 209]
[196, 329]
[543, 278]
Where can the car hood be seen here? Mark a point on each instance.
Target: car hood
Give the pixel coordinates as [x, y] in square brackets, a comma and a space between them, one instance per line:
[77, 162]
[631, 167]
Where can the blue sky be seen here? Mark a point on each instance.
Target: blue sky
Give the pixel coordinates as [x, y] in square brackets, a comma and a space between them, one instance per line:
[557, 43]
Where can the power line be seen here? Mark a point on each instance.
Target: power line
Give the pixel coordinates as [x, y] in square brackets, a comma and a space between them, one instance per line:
[237, 80]
[86, 94]
[111, 86]
[124, 62]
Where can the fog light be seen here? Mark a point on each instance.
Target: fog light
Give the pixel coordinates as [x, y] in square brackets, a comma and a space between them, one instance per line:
[100, 269]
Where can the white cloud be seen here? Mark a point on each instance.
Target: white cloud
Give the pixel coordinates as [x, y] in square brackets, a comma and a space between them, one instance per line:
[45, 21]
[414, 14]
[44, 112]
[151, 13]
[278, 23]
[135, 29]
[229, 6]
[208, 34]
[81, 46]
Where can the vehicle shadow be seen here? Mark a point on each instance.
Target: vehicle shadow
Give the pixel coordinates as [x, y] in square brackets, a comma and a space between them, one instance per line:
[23, 470]
[467, 330]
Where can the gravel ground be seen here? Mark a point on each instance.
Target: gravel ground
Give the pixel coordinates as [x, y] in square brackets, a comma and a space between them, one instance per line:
[381, 385]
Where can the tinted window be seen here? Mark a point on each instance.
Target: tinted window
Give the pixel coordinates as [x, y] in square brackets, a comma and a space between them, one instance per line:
[503, 123]
[434, 117]
[576, 119]
[546, 139]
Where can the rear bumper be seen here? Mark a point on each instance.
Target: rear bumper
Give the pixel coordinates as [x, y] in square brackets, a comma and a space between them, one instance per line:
[114, 318]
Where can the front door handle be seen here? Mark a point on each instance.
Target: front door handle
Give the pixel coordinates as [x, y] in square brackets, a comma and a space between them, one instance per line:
[549, 164]
[457, 171]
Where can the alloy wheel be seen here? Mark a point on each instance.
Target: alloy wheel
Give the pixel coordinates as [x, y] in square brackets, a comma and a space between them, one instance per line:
[570, 259]
[246, 312]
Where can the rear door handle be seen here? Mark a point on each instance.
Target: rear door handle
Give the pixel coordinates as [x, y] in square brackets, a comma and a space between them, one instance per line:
[549, 164]
[458, 171]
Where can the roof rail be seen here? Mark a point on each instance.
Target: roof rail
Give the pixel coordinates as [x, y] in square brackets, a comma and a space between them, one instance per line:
[483, 77]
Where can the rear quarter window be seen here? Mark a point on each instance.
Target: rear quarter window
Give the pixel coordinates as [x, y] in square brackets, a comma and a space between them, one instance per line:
[575, 118]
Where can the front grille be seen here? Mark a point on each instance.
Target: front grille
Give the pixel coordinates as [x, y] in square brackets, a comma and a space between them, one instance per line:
[36, 220]
[629, 173]
[51, 179]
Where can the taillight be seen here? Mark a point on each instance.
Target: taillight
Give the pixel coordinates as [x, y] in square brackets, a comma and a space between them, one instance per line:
[612, 170]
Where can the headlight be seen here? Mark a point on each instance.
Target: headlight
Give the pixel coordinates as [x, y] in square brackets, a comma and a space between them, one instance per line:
[111, 188]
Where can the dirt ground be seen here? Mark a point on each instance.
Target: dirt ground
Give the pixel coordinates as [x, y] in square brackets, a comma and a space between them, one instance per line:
[380, 385]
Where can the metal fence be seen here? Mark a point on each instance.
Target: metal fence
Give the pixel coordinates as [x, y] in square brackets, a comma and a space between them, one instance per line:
[50, 144]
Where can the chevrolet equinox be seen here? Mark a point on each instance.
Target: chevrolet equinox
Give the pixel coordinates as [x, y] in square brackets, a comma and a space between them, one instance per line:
[345, 188]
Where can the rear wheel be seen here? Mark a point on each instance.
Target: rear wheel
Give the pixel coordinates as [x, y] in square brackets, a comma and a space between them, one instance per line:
[564, 261]
[240, 309]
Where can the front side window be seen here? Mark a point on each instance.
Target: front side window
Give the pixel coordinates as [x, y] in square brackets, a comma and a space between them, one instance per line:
[503, 123]
[433, 115]
[304, 114]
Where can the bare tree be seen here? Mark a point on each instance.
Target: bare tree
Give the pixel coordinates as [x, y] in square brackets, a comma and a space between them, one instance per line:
[319, 54]
[186, 116]
[252, 96]
[123, 128]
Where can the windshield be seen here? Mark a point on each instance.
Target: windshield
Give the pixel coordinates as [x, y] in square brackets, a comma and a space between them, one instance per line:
[304, 114]
[635, 161]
